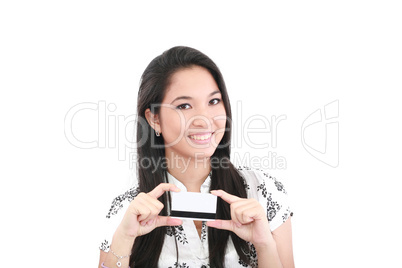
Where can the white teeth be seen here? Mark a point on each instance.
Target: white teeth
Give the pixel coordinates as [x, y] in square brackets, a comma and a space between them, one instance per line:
[205, 137]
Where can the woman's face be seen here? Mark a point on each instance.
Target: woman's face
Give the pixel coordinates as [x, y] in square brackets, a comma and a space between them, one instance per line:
[192, 117]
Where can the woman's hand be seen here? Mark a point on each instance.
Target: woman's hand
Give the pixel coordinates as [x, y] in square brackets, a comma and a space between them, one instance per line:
[249, 221]
[142, 215]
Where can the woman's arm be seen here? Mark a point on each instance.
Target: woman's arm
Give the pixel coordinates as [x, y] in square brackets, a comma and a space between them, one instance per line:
[279, 251]
[250, 223]
[102, 258]
[122, 247]
[283, 239]
[268, 255]
[141, 217]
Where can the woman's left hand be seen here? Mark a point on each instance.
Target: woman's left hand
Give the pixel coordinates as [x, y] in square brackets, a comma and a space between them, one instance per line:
[249, 221]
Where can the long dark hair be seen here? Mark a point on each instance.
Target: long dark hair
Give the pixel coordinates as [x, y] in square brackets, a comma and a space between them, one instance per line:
[154, 81]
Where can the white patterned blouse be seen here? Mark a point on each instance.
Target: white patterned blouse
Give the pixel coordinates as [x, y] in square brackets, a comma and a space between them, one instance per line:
[193, 250]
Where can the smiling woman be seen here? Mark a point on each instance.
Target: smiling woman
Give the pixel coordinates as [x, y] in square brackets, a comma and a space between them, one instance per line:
[198, 127]
[185, 117]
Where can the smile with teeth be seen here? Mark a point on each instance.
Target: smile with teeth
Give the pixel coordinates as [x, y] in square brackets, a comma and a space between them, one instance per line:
[201, 137]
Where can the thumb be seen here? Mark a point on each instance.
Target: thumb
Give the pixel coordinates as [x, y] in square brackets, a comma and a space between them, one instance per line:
[167, 221]
[223, 224]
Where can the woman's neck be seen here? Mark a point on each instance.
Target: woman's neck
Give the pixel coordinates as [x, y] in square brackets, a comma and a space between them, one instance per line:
[191, 172]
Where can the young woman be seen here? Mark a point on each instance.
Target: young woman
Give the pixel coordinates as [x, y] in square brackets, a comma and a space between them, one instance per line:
[183, 137]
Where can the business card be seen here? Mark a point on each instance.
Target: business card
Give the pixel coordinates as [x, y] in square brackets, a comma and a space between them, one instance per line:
[195, 206]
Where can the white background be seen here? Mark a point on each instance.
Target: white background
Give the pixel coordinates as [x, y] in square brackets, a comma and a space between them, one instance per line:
[283, 58]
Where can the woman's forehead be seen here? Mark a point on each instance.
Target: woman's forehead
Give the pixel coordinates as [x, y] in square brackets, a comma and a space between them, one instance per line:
[191, 82]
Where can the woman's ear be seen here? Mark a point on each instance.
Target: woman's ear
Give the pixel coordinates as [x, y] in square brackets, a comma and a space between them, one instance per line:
[153, 120]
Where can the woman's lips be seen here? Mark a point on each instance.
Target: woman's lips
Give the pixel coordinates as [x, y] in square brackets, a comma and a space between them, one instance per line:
[201, 137]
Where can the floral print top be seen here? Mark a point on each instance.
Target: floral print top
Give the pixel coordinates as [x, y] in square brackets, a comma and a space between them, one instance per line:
[193, 249]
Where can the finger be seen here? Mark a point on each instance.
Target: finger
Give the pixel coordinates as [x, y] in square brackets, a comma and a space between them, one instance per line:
[243, 211]
[147, 208]
[161, 188]
[225, 196]
[144, 207]
[167, 221]
[246, 212]
[253, 210]
[143, 213]
[222, 224]
[151, 201]
[234, 217]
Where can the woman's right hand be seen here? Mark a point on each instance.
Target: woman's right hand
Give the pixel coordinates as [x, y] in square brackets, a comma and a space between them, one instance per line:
[142, 215]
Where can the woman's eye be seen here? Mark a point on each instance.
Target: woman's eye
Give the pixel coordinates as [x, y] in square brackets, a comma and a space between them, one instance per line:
[182, 106]
[215, 101]
[186, 106]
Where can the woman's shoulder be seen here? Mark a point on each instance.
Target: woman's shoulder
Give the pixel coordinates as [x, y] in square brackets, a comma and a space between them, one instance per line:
[260, 178]
[270, 192]
[115, 215]
[122, 199]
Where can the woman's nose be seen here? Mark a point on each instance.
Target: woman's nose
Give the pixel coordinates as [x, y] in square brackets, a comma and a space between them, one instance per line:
[201, 121]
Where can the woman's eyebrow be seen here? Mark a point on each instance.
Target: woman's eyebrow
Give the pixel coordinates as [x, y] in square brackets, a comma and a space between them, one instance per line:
[189, 98]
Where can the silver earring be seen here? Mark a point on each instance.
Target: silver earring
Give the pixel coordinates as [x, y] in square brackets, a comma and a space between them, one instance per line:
[157, 133]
